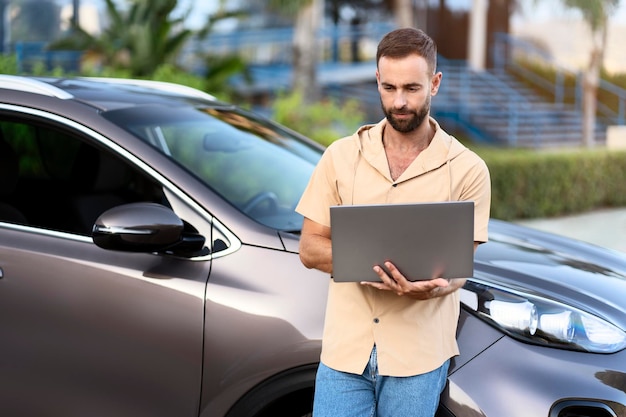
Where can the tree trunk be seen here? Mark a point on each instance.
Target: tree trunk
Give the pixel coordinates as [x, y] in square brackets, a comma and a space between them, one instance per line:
[403, 13]
[305, 51]
[591, 81]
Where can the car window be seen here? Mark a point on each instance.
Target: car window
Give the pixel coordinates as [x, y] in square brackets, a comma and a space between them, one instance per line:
[258, 167]
[62, 182]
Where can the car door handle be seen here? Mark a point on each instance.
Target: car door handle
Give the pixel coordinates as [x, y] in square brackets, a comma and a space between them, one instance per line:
[1, 273]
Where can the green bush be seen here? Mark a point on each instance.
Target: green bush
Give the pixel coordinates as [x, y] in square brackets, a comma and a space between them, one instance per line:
[323, 121]
[531, 184]
[8, 64]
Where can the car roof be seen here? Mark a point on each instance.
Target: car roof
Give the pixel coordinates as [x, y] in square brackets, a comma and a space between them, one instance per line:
[109, 93]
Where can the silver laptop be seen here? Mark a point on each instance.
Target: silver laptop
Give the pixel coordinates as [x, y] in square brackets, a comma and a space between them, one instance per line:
[422, 240]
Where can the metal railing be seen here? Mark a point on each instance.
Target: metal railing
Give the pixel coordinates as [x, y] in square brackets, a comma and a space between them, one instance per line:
[259, 47]
[465, 94]
[510, 53]
[492, 107]
[275, 46]
[31, 54]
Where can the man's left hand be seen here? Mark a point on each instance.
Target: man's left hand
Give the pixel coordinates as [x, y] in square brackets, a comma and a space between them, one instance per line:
[420, 290]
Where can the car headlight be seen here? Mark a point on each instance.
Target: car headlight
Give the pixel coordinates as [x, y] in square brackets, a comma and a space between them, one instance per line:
[540, 321]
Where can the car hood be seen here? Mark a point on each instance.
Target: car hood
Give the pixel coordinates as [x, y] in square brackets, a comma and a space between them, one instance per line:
[579, 274]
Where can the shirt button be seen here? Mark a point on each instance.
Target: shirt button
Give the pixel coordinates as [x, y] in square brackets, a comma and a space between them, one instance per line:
[376, 320]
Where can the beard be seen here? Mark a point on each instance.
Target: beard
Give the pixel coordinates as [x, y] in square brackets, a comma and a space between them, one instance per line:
[410, 124]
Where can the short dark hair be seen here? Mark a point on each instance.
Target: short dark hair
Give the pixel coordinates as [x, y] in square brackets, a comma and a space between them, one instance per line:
[401, 43]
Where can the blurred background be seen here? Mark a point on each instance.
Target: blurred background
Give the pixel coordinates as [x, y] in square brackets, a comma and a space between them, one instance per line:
[536, 87]
[543, 62]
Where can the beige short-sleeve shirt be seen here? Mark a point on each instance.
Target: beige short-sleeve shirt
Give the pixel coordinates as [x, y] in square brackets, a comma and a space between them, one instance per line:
[411, 337]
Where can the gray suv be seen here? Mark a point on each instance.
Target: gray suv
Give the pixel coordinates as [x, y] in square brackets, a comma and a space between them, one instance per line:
[149, 267]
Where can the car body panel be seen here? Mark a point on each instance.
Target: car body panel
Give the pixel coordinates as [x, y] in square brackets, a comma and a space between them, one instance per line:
[283, 309]
[77, 331]
[537, 380]
[473, 337]
[576, 273]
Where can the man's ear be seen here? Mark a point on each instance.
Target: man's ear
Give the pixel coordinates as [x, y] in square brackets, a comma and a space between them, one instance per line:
[436, 82]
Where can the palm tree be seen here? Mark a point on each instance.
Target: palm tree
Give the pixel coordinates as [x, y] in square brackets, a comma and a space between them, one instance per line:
[143, 41]
[139, 40]
[596, 13]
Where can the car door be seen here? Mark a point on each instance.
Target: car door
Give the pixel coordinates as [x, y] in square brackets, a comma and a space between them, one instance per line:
[86, 331]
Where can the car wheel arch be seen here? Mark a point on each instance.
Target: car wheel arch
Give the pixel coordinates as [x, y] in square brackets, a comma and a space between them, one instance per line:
[291, 392]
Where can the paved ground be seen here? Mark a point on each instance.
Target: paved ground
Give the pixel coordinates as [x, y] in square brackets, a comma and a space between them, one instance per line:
[606, 227]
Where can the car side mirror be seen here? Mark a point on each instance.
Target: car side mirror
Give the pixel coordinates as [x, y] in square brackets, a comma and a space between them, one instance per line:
[146, 227]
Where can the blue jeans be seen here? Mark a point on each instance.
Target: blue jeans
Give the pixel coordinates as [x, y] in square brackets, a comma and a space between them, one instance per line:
[341, 394]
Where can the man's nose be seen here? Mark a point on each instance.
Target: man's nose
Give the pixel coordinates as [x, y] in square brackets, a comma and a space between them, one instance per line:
[399, 100]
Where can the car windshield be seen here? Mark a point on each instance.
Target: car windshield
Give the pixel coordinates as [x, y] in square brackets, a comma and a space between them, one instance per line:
[257, 166]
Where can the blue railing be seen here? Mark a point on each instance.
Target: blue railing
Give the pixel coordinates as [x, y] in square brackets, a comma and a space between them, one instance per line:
[491, 107]
[259, 47]
[31, 54]
[465, 93]
[620, 95]
[274, 46]
[506, 52]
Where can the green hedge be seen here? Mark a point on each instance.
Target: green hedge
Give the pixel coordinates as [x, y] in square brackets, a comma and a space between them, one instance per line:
[531, 184]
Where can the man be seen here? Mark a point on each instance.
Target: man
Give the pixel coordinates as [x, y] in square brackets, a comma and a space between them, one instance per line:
[387, 345]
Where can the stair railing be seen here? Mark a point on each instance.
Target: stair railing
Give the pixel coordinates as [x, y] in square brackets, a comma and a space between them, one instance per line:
[504, 101]
[508, 49]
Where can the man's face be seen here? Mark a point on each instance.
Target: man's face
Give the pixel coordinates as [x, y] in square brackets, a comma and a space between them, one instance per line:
[406, 86]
